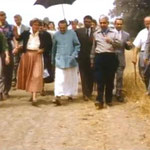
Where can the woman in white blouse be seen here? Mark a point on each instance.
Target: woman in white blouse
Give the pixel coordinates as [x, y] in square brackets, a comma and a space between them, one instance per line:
[30, 70]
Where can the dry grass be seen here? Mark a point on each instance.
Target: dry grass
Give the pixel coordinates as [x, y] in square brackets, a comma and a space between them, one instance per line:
[135, 92]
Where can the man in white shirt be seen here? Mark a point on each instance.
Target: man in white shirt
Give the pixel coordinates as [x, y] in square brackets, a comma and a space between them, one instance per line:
[139, 43]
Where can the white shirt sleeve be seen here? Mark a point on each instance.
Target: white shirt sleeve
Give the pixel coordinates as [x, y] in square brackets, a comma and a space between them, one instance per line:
[137, 42]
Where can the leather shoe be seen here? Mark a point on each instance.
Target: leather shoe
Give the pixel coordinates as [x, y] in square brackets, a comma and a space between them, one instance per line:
[30, 100]
[6, 96]
[99, 105]
[57, 101]
[34, 103]
[120, 99]
[43, 93]
[70, 98]
[109, 104]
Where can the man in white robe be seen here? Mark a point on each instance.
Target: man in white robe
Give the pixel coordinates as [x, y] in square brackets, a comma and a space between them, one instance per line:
[64, 56]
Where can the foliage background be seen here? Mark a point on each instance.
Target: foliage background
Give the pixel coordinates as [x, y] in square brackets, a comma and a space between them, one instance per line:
[133, 12]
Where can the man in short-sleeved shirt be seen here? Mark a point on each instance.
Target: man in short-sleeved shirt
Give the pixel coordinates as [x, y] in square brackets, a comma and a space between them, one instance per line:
[140, 43]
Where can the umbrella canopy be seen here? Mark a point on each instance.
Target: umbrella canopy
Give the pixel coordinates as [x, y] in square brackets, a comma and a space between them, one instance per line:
[48, 3]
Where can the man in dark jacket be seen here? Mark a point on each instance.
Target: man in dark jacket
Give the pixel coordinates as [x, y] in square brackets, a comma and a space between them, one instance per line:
[7, 30]
[85, 36]
[124, 38]
[4, 59]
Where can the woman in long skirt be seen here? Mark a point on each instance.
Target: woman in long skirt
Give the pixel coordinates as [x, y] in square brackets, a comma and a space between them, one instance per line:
[30, 70]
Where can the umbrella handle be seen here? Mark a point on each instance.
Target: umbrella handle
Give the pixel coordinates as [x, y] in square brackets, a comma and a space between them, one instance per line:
[63, 10]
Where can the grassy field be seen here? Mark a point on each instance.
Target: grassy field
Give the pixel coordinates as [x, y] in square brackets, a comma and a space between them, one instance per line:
[135, 91]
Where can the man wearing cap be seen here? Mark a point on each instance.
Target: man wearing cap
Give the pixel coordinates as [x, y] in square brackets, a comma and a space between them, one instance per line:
[7, 30]
[106, 62]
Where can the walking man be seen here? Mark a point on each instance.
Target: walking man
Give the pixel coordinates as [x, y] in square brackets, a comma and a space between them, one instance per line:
[7, 30]
[106, 61]
[4, 59]
[140, 43]
[124, 37]
[64, 53]
[85, 36]
[20, 29]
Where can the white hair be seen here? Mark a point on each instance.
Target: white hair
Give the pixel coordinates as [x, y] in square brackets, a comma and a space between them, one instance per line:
[103, 17]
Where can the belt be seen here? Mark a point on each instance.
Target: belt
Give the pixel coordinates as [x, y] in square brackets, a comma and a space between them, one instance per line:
[30, 50]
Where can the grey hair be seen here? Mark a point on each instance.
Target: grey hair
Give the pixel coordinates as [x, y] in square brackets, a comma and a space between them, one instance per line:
[103, 17]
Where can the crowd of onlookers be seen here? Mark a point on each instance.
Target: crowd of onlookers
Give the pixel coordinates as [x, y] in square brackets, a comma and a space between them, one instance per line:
[32, 56]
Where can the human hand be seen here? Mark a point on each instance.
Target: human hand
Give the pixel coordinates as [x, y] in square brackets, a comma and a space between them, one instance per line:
[7, 60]
[129, 43]
[108, 40]
[15, 50]
[146, 61]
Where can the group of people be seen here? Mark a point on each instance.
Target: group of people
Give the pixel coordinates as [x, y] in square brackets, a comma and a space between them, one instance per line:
[21, 55]
[96, 52]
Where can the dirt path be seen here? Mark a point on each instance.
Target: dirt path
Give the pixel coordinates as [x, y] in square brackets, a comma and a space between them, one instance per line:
[74, 126]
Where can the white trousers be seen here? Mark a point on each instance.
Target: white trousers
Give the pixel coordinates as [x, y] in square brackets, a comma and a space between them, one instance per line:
[66, 82]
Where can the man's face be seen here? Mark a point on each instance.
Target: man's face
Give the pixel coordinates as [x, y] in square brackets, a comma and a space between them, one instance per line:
[2, 18]
[87, 23]
[147, 22]
[118, 24]
[93, 25]
[103, 23]
[17, 20]
[62, 27]
[74, 25]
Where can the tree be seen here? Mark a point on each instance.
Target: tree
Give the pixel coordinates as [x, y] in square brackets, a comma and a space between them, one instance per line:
[133, 13]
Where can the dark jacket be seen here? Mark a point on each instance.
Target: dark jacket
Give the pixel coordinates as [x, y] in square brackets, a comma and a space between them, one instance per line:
[86, 43]
[45, 40]
[3, 43]
[7, 30]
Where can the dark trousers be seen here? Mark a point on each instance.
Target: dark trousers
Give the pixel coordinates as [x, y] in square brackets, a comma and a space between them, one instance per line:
[49, 67]
[8, 73]
[1, 72]
[105, 67]
[86, 74]
[16, 59]
[119, 80]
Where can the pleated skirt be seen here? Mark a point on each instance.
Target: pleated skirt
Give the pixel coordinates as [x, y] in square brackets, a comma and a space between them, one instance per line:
[30, 72]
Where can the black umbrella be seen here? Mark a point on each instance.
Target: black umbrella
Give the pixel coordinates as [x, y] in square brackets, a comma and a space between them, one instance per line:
[48, 3]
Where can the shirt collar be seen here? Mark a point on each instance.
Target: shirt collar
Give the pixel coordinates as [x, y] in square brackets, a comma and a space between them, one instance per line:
[35, 34]
[107, 30]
